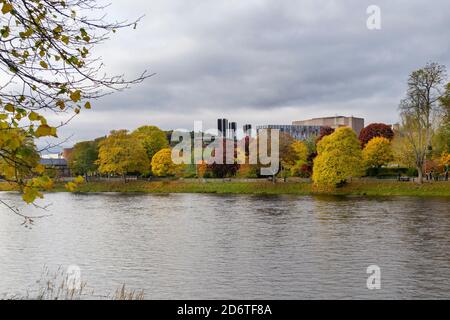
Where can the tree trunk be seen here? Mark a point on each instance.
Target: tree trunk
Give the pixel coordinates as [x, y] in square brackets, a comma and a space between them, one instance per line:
[419, 175]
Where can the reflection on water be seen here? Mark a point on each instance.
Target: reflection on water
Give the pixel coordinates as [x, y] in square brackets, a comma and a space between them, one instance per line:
[190, 246]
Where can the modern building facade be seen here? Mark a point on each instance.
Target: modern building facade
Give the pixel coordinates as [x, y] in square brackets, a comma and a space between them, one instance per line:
[357, 124]
[298, 132]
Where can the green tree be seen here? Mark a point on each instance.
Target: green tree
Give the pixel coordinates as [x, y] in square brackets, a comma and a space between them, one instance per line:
[377, 153]
[339, 158]
[121, 153]
[47, 63]
[83, 158]
[152, 138]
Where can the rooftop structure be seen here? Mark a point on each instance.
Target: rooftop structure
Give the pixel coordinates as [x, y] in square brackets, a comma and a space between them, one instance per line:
[357, 124]
[298, 132]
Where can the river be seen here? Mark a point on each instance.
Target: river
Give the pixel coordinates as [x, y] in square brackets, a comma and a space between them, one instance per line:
[206, 246]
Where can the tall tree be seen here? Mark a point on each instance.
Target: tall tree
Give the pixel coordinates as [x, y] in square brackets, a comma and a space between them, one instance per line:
[152, 138]
[377, 153]
[162, 164]
[339, 158]
[419, 110]
[121, 153]
[83, 158]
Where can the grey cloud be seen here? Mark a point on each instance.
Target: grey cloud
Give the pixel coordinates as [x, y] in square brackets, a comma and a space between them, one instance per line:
[264, 61]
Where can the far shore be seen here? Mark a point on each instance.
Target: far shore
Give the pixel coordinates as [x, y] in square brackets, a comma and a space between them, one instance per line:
[358, 187]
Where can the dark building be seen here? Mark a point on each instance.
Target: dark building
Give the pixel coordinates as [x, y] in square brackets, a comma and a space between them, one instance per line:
[247, 130]
[59, 165]
[222, 127]
[233, 129]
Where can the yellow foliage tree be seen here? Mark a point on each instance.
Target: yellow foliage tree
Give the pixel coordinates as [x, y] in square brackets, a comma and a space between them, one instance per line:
[339, 158]
[162, 164]
[153, 139]
[19, 163]
[445, 159]
[403, 152]
[377, 153]
[121, 153]
[301, 157]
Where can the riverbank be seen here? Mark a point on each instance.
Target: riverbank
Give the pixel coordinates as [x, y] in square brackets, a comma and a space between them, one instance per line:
[361, 187]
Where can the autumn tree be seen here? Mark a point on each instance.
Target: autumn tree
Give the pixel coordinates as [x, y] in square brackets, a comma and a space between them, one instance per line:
[19, 164]
[375, 130]
[324, 131]
[443, 133]
[420, 111]
[162, 164]
[301, 157]
[287, 153]
[339, 158]
[202, 169]
[48, 65]
[121, 153]
[402, 151]
[377, 153]
[153, 139]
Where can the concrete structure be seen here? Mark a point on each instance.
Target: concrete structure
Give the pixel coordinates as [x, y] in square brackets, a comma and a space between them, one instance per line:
[298, 132]
[357, 124]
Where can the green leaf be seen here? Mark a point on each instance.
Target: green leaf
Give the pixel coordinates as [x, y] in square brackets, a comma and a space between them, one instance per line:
[87, 105]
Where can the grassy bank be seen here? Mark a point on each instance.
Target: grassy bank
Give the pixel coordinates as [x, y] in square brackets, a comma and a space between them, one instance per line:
[369, 188]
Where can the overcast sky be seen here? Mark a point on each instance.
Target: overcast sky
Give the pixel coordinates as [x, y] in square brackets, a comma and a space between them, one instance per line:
[263, 61]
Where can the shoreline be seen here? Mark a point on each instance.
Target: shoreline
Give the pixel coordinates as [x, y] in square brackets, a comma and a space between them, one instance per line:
[357, 188]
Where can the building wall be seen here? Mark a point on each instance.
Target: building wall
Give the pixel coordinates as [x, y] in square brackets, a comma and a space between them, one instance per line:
[357, 124]
[298, 132]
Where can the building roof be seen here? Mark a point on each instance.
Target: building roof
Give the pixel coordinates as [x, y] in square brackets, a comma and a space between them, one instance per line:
[53, 162]
[332, 117]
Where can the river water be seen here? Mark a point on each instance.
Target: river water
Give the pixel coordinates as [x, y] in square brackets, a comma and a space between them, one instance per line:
[206, 246]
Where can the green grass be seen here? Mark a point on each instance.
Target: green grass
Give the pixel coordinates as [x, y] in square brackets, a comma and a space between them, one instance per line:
[366, 188]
